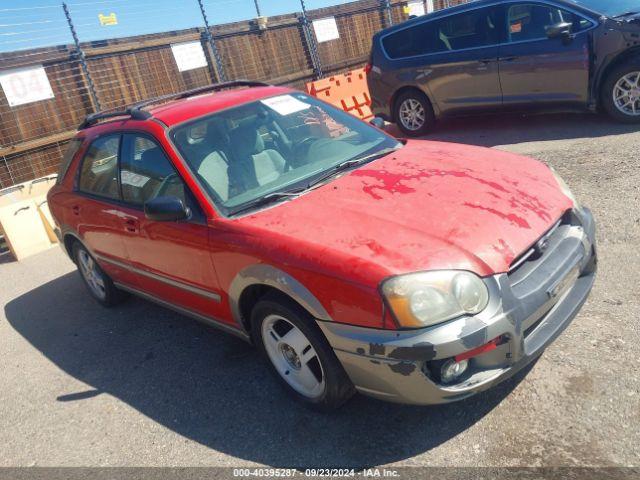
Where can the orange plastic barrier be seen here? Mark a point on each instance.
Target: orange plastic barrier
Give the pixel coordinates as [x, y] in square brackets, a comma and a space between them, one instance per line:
[348, 91]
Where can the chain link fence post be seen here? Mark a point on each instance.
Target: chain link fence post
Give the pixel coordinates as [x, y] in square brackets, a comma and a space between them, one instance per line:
[6, 164]
[386, 7]
[83, 61]
[311, 42]
[216, 54]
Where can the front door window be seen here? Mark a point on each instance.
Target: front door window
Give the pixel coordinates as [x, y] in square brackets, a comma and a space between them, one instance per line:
[530, 21]
[146, 172]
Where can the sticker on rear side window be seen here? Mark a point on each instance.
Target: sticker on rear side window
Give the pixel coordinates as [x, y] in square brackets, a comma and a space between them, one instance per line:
[133, 179]
[285, 104]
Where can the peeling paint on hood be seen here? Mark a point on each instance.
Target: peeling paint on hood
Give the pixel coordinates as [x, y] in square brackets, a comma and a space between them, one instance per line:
[428, 206]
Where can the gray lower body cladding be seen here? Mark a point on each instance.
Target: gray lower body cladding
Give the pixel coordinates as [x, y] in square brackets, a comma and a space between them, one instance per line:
[528, 309]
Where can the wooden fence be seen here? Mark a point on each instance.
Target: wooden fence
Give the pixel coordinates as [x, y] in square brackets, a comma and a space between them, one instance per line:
[126, 70]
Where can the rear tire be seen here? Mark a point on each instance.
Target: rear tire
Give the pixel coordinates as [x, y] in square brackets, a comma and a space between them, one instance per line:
[98, 283]
[413, 114]
[621, 93]
[298, 354]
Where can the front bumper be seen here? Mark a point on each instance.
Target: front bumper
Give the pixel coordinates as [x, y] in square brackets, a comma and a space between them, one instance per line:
[528, 310]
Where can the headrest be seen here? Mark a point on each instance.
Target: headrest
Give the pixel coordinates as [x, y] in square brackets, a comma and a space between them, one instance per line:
[217, 136]
[151, 156]
[246, 141]
[154, 160]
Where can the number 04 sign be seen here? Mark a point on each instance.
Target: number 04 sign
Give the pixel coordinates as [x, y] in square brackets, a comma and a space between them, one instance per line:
[25, 85]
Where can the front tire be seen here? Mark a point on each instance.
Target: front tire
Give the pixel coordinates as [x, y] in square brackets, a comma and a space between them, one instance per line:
[621, 93]
[413, 114]
[298, 354]
[98, 283]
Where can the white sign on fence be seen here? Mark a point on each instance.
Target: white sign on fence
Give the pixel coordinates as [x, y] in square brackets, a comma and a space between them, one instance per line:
[189, 55]
[430, 6]
[326, 29]
[416, 9]
[26, 85]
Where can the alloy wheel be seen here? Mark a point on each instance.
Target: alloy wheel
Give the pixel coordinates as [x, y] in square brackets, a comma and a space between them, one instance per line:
[412, 114]
[293, 356]
[92, 275]
[626, 94]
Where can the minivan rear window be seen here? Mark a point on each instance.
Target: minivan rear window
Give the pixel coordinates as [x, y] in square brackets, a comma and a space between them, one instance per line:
[472, 29]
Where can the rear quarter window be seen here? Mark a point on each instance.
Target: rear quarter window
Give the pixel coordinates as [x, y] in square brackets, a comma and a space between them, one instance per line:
[99, 171]
[472, 29]
[72, 148]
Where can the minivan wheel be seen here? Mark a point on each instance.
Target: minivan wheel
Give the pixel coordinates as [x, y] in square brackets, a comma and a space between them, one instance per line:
[98, 283]
[414, 114]
[298, 354]
[621, 93]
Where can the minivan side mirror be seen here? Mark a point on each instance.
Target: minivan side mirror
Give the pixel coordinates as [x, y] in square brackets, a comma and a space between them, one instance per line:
[560, 30]
[166, 209]
[377, 122]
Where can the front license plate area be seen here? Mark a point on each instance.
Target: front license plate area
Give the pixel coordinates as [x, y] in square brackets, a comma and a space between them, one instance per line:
[559, 288]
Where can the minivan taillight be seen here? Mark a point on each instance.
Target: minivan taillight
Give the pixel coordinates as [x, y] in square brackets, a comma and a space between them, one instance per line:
[367, 68]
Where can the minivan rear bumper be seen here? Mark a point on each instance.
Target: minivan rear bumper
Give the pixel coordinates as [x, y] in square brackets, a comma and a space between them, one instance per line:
[381, 98]
[398, 365]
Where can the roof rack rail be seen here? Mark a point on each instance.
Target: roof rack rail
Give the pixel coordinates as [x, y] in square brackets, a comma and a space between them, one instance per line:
[135, 111]
[199, 91]
[129, 112]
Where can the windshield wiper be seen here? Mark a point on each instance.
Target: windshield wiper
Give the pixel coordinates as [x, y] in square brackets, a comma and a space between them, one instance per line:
[269, 198]
[347, 164]
[286, 194]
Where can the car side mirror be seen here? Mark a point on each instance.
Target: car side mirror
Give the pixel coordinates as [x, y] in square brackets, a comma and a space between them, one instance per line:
[166, 209]
[560, 30]
[377, 122]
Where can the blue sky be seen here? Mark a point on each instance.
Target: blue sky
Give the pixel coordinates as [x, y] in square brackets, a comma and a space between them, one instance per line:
[36, 23]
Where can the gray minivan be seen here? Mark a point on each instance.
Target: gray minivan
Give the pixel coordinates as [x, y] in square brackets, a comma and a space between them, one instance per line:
[509, 55]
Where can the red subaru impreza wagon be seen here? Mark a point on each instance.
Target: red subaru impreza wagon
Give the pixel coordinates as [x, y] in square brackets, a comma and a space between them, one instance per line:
[412, 271]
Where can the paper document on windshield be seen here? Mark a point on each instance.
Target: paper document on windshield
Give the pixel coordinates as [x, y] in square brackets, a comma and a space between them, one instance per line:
[285, 104]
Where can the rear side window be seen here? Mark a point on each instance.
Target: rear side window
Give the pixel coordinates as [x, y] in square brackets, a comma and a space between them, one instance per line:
[72, 148]
[146, 172]
[476, 28]
[528, 21]
[99, 174]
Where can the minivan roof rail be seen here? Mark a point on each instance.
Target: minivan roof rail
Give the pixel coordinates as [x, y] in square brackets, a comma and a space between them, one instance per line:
[135, 111]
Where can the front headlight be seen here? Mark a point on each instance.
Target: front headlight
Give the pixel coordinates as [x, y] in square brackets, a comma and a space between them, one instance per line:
[565, 189]
[427, 298]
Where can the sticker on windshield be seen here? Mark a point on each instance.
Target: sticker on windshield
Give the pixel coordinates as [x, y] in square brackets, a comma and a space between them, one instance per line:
[285, 104]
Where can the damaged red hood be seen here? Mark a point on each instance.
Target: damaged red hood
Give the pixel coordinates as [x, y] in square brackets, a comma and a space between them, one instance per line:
[428, 206]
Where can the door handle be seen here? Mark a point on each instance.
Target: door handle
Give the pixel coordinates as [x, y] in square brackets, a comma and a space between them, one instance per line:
[131, 225]
[508, 59]
[486, 61]
[76, 209]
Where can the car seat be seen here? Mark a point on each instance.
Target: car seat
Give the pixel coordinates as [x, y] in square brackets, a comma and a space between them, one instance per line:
[252, 165]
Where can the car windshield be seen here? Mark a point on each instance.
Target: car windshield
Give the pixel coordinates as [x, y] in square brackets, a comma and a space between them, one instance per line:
[609, 7]
[268, 149]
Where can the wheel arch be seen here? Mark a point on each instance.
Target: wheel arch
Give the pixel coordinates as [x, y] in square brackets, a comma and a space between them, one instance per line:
[404, 89]
[621, 59]
[68, 240]
[254, 282]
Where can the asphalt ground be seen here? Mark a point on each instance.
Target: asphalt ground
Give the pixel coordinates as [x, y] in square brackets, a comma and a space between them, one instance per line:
[141, 386]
